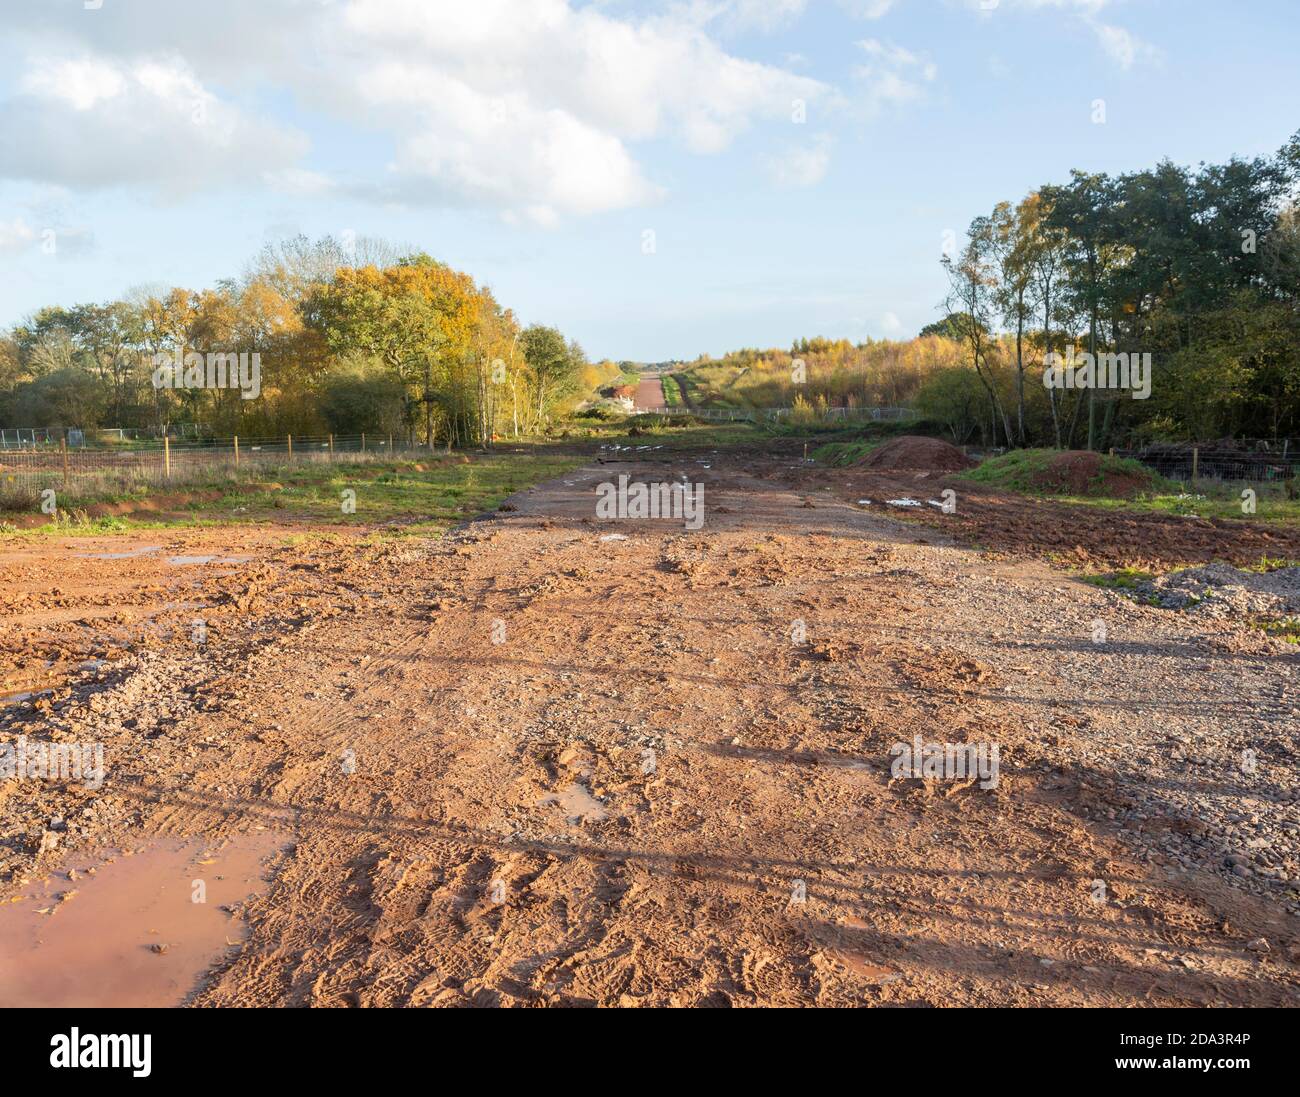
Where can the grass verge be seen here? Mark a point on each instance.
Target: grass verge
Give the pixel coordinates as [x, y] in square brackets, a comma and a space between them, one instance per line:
[422, 497]
[1022, 471]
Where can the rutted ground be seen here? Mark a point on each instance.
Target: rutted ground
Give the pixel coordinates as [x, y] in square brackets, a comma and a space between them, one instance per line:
[525, 765]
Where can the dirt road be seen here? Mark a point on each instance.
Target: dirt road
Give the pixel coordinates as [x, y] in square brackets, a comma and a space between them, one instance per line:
[531, 764]
[650, 394]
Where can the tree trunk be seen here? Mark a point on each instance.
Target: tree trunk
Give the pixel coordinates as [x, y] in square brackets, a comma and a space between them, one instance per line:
[428, 403]
[1092, 392]
[1020, 369]
[1047, 354]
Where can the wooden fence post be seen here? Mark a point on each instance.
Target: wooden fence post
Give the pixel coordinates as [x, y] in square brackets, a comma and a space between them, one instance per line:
[63, 445]
[1196, 461]
[290, 437]
[363, 441]
[331, 447]
[167, 457]
[236, 451]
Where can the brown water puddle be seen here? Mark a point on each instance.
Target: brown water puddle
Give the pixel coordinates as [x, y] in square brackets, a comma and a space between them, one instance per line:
[126, 930]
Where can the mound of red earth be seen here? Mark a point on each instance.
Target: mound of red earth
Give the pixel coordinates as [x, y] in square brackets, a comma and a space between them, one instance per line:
[914, 452]
[1079, 472]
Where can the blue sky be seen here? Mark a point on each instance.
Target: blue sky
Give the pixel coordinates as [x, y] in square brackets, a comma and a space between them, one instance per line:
[535, 144]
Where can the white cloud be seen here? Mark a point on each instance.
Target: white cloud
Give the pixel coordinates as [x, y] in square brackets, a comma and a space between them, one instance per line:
[76, 84]
[868, 9]
[1118, 43]
[892, 75]
[15, 236]
[298, 181]
[18, 236]
[93, 122]
[802, 165]
[1121, 45]
[502, 151]
[764, 15]
[534, 106]
[530, 107]
[1088, 7]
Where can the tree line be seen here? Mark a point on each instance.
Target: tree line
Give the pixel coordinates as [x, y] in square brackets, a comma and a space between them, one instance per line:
[820, 372]
[350, 337]
[1198, 268]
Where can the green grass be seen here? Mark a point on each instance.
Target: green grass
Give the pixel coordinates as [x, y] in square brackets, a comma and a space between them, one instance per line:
[682, 431]
[839, 454]
[1271, 563]
[1283, 628]
[1127, 579]
[672, 390]
[1220, 503]
[426, 496]
[686, 431]
[1016, 471]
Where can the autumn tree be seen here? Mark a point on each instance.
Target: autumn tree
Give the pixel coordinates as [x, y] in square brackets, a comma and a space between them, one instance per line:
[972, 301]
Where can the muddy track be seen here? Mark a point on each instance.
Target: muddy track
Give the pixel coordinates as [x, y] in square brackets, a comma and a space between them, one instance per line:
[527, 766]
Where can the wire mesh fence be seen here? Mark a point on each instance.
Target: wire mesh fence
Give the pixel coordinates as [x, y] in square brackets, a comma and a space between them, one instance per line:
[1230, 465]
[24, 438]
[56, 465]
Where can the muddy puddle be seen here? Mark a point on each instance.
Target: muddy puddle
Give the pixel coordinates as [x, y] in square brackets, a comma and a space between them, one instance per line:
[127, 554]
[130, 929]
[182, 560]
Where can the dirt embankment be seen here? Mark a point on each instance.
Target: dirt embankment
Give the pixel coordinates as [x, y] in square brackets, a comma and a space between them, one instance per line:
[1083, 473]
[916, 452]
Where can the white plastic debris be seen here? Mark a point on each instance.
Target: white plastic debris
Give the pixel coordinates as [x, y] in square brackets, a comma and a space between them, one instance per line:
[614, 537]
[902, 502]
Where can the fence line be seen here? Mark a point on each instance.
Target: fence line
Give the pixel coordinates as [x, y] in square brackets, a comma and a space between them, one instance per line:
[1210, 464]
[33, 470]
[29, 437]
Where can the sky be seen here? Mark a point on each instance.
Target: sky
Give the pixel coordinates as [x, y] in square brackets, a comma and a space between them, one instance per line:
[658, 180]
